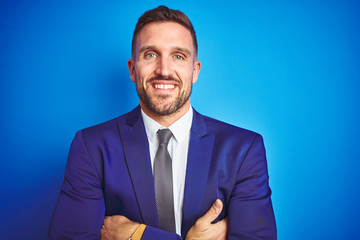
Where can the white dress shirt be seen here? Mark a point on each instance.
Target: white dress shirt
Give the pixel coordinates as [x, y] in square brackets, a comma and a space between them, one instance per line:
[178, 149]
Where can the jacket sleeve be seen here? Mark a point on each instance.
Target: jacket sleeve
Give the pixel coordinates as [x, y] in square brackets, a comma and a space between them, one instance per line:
[250, 212]
[152, 233]
[80, 209]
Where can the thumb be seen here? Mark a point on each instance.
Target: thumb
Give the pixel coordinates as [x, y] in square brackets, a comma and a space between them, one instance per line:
[213, 212]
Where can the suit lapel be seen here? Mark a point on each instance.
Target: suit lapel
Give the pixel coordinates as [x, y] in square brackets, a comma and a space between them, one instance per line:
[137, 157]
[198, 163]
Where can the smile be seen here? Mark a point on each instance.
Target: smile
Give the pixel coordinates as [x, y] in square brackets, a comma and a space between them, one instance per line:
[164, 86]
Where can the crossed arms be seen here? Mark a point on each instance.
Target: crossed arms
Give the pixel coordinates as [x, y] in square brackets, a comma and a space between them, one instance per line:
[119, 227]
[85, 200]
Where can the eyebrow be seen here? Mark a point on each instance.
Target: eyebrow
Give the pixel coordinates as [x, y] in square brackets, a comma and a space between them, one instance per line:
[144, 48]
[184, 50]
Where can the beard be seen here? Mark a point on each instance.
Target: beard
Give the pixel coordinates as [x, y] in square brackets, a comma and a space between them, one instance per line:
[160, 104]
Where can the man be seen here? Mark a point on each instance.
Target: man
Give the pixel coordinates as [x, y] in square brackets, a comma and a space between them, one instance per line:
[207, 180]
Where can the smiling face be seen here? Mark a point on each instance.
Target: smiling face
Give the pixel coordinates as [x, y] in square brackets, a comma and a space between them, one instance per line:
[164, 67]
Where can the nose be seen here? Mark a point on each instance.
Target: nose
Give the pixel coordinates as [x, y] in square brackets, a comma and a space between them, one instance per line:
[164, 67]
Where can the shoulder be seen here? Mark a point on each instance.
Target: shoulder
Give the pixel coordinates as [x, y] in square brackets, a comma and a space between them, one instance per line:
[227, 133]
[217, 127]
[104, 127]
[109, 128]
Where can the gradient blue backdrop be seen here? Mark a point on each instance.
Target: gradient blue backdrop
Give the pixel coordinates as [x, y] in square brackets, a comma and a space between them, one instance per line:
[286, 69]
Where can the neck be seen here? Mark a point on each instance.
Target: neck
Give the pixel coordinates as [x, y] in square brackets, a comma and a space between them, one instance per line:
[166, 120]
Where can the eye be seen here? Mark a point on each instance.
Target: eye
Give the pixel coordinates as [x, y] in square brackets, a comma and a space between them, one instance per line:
[150, 55]
[178, 57]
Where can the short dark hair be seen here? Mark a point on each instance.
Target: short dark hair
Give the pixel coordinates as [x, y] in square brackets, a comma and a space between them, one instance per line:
[163, 14]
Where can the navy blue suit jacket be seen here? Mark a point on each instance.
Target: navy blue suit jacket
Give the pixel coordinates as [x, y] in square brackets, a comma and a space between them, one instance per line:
[109, 173]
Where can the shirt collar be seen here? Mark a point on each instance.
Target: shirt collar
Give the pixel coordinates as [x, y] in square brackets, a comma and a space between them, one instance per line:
[180, 128]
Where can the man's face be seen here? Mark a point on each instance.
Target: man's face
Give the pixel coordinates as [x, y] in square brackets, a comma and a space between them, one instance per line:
[164, 67]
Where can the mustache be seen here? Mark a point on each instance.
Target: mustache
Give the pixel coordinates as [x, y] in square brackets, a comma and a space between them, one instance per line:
[162, 78]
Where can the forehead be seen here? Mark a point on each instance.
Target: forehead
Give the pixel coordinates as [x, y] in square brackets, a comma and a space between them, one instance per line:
[164, 35]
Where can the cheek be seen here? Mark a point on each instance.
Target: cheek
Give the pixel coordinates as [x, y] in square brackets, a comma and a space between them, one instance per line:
[189, 77]
[144, 71]
[141, 80]
[185, 72]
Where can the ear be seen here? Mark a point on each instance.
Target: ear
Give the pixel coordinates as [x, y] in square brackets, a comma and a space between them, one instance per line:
[131, 66]
[196, 70]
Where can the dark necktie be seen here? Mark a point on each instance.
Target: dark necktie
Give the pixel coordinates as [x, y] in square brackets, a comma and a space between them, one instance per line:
[164, 182]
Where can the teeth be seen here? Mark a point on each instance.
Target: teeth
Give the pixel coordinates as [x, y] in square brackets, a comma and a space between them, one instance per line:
[164, 86]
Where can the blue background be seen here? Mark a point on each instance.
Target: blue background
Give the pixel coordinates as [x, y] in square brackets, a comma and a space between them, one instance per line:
[286, 69]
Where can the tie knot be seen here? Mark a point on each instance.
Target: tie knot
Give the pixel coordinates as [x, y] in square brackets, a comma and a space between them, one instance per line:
[164, 135]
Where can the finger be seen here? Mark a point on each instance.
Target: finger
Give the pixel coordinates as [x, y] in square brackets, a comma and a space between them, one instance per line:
[213, 212]
[226, 223]
[106, 219]
[221, 227]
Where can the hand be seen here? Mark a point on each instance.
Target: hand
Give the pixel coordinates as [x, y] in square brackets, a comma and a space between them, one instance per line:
[204, 230]
[117, 228]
